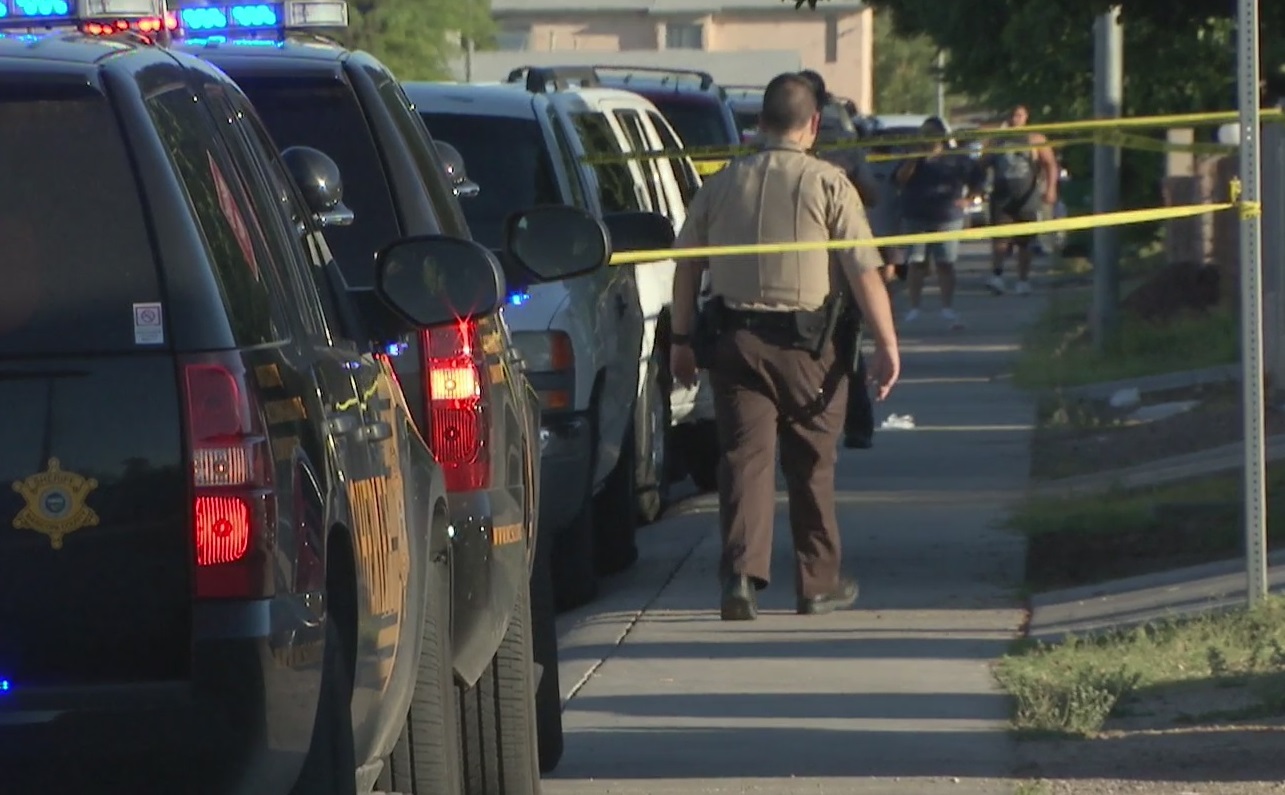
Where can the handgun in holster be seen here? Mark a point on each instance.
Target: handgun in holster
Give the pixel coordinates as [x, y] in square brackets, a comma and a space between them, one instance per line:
[710, 321]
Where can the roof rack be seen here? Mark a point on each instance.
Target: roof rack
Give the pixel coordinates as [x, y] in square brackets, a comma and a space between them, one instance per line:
[538, 79]
[706, 79]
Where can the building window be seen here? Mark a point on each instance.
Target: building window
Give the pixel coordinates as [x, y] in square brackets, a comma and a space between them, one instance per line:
[831, 39]
[513, 40]
[684, 36]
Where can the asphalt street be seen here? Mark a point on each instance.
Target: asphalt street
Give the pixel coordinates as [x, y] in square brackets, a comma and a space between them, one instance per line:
[893, 696]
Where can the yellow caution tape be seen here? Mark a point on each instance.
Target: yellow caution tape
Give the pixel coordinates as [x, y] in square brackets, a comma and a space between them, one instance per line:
[1086, 125]
[1024, 229]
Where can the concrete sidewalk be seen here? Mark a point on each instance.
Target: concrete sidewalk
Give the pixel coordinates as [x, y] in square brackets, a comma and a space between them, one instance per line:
[893, 697]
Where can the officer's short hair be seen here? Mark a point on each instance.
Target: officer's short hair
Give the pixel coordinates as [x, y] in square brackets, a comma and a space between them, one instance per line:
[818, 85]
[789, 103]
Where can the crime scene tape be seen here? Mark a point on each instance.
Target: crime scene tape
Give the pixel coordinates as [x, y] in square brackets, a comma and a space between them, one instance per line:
[1087, 125]
[1024, 229]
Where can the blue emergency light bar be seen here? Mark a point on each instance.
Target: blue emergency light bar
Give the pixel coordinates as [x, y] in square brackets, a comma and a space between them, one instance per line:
[248, 18]
[48, 13]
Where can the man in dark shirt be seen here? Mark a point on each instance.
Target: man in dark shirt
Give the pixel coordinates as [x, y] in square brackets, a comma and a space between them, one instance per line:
[935, 189]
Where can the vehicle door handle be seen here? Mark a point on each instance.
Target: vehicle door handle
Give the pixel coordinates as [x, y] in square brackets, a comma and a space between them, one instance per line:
[341, 424]
[377, 432]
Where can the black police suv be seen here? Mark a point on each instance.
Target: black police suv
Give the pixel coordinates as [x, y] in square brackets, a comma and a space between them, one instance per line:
[225, 560]
[464, 382]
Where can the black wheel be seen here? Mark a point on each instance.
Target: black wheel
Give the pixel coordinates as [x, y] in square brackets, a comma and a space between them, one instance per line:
[701, 453]
[426, 759]
[652, 423]
[497, 716]
[548, 690]
[575, 580]
[331, 765]
[615, 512]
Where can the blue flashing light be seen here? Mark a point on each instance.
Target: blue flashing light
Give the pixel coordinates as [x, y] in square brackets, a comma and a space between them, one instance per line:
[394, 349]
[5, 687]
[4, 10]
[238, 17]
[41, 9]
[518, 299]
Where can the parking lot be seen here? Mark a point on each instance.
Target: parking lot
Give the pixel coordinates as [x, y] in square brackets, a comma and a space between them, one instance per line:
[663, 697]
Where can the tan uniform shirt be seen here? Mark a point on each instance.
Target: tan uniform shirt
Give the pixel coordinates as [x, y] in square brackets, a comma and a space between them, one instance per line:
[778, 195]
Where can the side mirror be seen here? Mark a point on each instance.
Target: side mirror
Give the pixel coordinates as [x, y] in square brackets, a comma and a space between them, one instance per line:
[318, 178]
[453, 162]
[435, 280]
[556, 242]
[639, 231]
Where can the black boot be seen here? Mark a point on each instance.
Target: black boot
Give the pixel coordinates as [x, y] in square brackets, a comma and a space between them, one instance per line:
[739, 600]
[843, 595]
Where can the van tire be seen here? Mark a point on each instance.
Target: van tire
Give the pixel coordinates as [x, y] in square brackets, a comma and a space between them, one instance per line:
[652, 482]
[497, 716]
[575, 580]
[331, 765]
[615, 512]
[544, 643]
[426, 759]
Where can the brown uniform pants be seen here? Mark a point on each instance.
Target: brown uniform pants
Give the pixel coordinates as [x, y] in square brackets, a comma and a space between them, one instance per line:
[764, 389]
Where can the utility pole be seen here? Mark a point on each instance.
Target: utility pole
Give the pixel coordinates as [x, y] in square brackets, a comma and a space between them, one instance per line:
[1251, 301]
[941, 84]
[468, 60]
[1108, 96]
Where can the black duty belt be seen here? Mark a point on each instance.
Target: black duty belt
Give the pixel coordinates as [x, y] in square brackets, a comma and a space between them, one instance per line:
[758, 320]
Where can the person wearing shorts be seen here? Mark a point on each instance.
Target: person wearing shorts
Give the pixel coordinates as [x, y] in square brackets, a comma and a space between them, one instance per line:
[935, 187]
[1025, 182]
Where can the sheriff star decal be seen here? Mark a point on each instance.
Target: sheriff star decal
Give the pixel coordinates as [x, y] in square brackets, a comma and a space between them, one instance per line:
[55, 503]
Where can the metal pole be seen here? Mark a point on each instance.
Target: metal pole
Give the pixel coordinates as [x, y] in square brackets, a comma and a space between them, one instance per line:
[941, 84]
[1251, 302]
[468, 60]
[1108, 93]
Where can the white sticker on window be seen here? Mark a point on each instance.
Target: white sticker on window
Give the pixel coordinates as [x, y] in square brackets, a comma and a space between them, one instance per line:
[147, 324]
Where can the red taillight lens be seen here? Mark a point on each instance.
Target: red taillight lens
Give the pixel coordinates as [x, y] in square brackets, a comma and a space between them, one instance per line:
[234, 505]
[456, 405]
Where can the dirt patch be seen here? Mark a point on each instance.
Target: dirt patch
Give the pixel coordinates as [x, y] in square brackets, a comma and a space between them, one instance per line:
[1082, 436]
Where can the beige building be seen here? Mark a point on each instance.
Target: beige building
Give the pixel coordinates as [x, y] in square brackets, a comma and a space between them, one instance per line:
[835, 40]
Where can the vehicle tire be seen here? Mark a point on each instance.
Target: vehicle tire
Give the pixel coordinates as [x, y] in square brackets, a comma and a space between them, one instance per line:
[331, 765]
[497, 716]
[575, 581]
[701, 454]
[544, 646]
[615, 512]
[426, 759]
[652, 439]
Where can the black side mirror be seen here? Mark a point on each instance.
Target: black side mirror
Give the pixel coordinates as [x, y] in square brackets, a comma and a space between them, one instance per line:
[434, 280]
[453, 162]
[639, 231]
[556, 242]
[318, 178]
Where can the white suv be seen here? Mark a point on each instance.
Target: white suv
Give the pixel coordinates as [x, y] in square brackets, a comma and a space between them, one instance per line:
[582, 339]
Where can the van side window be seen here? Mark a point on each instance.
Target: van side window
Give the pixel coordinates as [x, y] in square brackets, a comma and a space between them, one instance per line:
[567, 154]
[615, 180]
[233, 239]
[688, 181]
[427, 163]
[632, 124]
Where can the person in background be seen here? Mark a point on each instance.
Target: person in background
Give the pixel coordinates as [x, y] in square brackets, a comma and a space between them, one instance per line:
[935, 189]
[1024, 182]
[772, 361]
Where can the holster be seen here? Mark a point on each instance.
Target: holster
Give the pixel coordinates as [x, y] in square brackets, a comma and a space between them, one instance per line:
[710, 321]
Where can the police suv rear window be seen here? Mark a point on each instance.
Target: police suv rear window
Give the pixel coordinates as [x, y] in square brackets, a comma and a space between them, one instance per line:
[697, 123]
[77, 270]
[325, 115]
[508, 160]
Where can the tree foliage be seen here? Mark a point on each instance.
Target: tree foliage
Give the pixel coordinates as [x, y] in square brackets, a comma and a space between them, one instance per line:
[417, 39]
[905, 80]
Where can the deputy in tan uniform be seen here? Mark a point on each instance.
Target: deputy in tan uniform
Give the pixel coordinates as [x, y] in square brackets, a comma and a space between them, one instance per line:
[767, 377]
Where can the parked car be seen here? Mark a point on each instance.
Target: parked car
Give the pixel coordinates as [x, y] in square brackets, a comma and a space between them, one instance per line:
[603, 415]
[615, 127]
[228, 561]
[467, 391]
